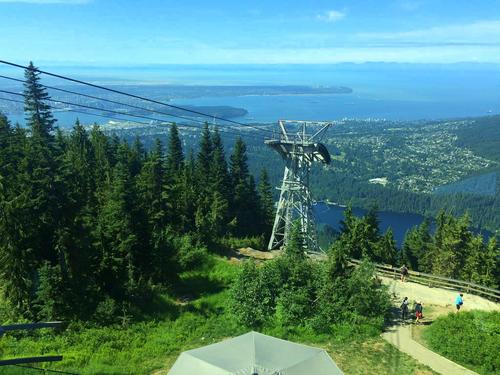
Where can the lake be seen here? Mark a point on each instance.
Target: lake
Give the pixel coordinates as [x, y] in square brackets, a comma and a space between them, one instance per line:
[399, 222]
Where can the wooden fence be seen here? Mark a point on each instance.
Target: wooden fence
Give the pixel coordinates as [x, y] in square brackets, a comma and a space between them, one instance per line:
[436, 281]
[25, 360]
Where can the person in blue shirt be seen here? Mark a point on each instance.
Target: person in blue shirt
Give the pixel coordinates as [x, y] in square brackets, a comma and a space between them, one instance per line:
[459, 301]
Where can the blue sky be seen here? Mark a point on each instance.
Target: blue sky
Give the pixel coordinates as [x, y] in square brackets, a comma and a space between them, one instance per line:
[124, 32]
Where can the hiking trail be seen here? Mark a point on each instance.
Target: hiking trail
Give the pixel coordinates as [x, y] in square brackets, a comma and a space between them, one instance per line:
[401, 335]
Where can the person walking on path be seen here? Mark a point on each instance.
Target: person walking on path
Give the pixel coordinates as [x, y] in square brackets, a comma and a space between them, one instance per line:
[419, 312]
[404, 309]
[404, 273]
[459, 301]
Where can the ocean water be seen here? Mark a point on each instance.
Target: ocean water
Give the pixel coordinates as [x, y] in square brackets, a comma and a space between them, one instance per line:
[391, 91]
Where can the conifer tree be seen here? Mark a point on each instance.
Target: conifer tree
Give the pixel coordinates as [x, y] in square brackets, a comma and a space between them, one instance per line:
[36, 178]
[295, 246]
[38, 115]
[175, 155]
[188, 196]
[473, 268]
[372, 225]
[266, 202]
[204, 158]
[76, 219]
[6, 137]
[153, 204]
[491, 261]
[220, 186]
[115, 236]
[416, 248]
[450, 247]
[18, 258]
[386, 249]
[243, 187]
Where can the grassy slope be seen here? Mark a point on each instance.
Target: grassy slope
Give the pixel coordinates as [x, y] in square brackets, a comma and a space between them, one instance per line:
[171, 327]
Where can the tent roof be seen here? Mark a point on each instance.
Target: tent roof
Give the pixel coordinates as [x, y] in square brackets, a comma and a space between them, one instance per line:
[252, 353]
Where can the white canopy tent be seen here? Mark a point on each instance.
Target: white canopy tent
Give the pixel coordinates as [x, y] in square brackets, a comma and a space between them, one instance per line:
[255, 354]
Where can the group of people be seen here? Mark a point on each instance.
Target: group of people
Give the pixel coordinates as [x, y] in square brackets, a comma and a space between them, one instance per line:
[419, 309]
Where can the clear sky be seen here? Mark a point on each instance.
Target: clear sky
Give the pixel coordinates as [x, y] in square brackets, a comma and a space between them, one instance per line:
[125, 32]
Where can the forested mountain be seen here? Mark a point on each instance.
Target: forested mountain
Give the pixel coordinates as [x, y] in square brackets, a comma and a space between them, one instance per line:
[428, 166]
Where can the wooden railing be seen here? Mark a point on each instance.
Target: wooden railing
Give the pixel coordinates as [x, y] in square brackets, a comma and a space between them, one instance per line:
[29, 326]
[436, 281]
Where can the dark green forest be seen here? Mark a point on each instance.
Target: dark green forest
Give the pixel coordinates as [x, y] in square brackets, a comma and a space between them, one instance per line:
[363, 150]
[451, 250]
[90, 224]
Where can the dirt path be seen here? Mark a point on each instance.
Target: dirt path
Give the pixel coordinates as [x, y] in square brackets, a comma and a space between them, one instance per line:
[437, 296]
[440, 302]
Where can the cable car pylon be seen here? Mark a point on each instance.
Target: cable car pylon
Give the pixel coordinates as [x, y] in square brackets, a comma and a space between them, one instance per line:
[299, 149]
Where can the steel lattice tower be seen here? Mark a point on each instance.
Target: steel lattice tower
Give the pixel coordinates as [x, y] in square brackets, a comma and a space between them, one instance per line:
[298, 149]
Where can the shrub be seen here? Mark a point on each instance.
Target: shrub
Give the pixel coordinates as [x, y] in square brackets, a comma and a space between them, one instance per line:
[291, 292]
[190, 254]
[293, 307]
[470, 338]
[51, 293]
[250, 299]
[106, 312]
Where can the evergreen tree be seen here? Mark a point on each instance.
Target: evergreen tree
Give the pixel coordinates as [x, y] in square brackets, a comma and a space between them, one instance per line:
[153, 205]
[116, 239]
[491, 261]
[294, 249]
[266, 204]
[18, 260]
[220, 187]
[372, 225]
[204, 159]
[38, 115]
[415, 251]
[175, 156]
[473, 268]
[348, 222]
[175, 180]
[102, 155]
[188, 194]
[245, 204]
[450, 247]
[386, 249]
[72, 237]
[203, 187]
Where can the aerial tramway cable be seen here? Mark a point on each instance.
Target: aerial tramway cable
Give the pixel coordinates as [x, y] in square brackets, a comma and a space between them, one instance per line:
[134, 96]
[253, 136]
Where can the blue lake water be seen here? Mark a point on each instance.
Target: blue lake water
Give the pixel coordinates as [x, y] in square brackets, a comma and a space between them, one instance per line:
[399, 222]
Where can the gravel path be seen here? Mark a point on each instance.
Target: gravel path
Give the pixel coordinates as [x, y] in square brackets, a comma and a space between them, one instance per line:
[437, 296]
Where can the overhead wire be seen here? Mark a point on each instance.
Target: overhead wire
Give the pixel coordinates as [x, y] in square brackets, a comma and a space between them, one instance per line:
[243, 135]
[111, 101]
[134, 96]
[119, 113]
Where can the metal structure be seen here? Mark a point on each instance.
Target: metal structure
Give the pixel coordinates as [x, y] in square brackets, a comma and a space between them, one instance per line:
[299, 150]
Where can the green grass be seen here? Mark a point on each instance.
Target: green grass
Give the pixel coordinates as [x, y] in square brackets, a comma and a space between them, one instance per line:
[471, 339]
[194, 317]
